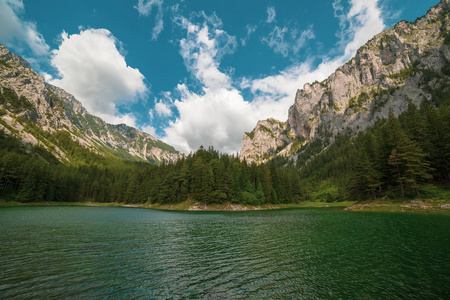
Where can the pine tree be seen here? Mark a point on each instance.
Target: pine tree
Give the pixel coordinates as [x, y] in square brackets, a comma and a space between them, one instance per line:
[435, 141]
[417, 168]
[394, 161]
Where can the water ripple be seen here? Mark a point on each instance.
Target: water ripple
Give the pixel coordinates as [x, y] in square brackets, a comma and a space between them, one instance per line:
[81, 252]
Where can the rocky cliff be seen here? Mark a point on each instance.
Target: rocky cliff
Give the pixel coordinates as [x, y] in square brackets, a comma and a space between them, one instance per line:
[268, 137]
[36, 112]
[407, 63]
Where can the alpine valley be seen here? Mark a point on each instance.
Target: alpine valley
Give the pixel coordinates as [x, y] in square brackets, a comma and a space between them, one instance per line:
[378, 128]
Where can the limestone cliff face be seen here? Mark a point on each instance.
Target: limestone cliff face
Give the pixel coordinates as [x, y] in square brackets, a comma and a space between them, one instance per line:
[266, 140]
[35, 111]
[401, 64]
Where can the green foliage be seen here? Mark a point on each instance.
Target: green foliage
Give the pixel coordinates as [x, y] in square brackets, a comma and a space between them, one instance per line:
[13, 102]
[446, 68]
[395, 157]
[161, 145]
[357, 103]
[446, 36]
[428, 75]
[352, 102]
[92, 124]
[205, 176]
[399, 154]
[4, 63]
[250, 134]
[265, 129]
[363, 97]
[403, 74]
[386, 39]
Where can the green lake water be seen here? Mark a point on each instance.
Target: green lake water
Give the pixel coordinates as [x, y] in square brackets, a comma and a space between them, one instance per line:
[126, 253]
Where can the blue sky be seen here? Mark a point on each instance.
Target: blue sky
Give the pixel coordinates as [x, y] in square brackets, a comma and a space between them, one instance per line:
[193, 72]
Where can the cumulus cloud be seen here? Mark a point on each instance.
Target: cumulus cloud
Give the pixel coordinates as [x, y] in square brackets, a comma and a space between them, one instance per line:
[149, 129]
[128, 119]
[163, 109]
[17, 33]
[270, 14]
[219, 115]
[203, 48]
[145, 7]
[92, 68]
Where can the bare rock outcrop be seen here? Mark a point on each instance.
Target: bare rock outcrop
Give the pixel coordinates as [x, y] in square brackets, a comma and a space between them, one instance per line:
[36, 112]
[403, 64]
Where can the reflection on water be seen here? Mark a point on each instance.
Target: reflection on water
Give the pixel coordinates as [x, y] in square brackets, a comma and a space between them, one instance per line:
[95, 252]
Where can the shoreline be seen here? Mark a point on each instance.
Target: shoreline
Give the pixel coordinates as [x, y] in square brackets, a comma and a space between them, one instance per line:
[187, 205]
[428, 206]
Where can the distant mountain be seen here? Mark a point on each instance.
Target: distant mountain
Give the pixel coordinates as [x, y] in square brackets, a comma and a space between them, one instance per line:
[407, 63]
[42, 114]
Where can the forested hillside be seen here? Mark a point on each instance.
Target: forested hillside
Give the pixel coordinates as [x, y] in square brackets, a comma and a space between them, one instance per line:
[392, 158]
[395, 158]
[29, 174]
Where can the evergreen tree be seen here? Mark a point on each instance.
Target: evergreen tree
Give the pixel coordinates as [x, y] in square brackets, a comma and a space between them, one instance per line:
[416, 167]
[395, 162]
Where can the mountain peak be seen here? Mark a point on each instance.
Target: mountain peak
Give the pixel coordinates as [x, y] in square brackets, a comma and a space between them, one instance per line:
[404, 64]
[38, 112]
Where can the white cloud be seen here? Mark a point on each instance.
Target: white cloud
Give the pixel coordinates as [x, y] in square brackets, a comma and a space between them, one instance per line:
[149, 129]
[270, 14]
[219, 115]
[250, 29]
[365, 21]
[163, 109]
[288, 41]
[201, 53]
[127, 119]
[159, 24]
[299, 42]
[144, 7]
[17, 33]
[360, 24]
[277, 42]
[47, 77]
[96, 73]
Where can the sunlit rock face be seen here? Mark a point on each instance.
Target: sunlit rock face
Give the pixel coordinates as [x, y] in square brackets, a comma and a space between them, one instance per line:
[400, 65]
[36, 111]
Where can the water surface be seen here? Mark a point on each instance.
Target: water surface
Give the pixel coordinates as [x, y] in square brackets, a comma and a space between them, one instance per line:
[108, 252]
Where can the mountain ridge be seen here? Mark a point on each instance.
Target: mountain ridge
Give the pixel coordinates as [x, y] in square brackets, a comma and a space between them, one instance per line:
[402, 64]
[34, 111]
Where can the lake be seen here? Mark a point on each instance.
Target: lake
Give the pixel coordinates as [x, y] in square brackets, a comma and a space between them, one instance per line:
[126, 253]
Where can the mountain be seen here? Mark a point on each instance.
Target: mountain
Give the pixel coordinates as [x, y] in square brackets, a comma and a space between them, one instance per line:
[42, 114]
[408, 63]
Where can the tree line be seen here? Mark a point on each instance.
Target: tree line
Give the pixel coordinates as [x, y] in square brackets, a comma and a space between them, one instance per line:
[30, 174]
[394, 157]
